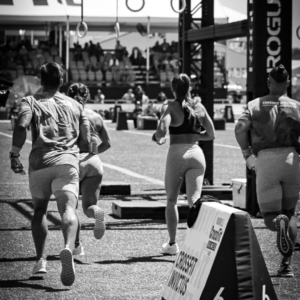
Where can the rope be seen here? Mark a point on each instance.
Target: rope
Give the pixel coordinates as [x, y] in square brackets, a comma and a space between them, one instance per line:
[135, 10]
[117, 25]
[82, 23]
[182, 9]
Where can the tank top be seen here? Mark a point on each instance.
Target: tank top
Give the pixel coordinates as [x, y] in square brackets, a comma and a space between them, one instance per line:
[185, 128]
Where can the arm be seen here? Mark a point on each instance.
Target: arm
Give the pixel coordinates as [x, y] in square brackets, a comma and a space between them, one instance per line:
[84, 132]
[19, 136]
[164, 123]
[209, 133]
[103, 135]
[241, 134]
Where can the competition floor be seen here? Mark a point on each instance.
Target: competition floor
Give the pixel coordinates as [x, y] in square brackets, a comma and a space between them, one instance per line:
[127, 263]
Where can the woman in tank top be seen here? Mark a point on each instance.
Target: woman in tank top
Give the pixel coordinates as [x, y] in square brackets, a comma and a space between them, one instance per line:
[184, 118]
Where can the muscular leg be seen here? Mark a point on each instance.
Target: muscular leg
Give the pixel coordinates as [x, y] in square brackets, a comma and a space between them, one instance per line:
[194, 181]
[270, 219]
[90, 189]
[66, 204]
[39, 226]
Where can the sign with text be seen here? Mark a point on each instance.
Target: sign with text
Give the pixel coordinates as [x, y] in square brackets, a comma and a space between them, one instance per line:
[193, 263]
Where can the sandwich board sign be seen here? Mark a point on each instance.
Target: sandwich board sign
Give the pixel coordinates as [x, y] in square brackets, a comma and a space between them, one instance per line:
[220, 259]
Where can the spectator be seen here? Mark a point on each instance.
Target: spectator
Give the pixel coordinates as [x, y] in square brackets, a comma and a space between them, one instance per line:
[138, 110]
[129, 96]
[99, 51]
[161, 97]
[150, 110]
[136, 57]
[165, 47]
[138, 94]
[99, 97]
[157, 47]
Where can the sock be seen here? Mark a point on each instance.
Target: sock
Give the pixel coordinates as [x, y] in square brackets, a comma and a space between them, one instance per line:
[171, 244]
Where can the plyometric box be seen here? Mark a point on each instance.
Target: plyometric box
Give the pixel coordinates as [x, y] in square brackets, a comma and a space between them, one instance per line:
[220, 259]
[115, 188]
[145, 209]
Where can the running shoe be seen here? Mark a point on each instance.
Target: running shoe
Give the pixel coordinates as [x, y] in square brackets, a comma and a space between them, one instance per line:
[79, 250]
[285, 270]
[99, 228]
[68, 269]
[40, 267]
[172, 250]
[284, 243]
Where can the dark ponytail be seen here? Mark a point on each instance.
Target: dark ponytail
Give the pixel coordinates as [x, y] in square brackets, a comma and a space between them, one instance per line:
[181, 86]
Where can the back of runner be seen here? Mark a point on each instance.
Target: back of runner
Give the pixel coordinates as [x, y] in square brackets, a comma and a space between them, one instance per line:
[91, 169]
[57, 122]
[274, 124]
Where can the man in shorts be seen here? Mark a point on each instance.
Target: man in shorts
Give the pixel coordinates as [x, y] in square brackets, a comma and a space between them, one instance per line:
[57, 122]
[91, 169]
[274, 124]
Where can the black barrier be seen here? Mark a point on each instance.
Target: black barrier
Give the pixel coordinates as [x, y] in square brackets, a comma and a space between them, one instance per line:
[228, 114]
[122, 121]
[117, 108]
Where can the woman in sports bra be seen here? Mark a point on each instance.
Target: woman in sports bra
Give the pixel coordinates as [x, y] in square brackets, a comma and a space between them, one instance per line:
[184, 119]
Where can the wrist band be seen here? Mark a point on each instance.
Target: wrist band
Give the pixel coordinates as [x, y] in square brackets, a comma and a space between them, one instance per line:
[15, 150]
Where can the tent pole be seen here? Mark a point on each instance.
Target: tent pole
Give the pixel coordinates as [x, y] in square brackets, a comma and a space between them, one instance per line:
[67, 48]
[32, 41]
[60, 41]
[148, 58]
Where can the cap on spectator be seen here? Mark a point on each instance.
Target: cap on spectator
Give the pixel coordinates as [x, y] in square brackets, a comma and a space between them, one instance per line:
[279, 74]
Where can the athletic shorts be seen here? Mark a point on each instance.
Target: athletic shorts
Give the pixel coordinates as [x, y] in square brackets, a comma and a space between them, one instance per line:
[90, 165]
[53, 180]
[185, 161]
[277, 179]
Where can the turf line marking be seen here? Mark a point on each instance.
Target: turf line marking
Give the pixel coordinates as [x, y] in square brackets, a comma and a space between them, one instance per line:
[121, 170]
[149, 134]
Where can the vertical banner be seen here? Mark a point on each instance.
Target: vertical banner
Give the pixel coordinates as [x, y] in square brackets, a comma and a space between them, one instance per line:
[269, 43]
[194, 262]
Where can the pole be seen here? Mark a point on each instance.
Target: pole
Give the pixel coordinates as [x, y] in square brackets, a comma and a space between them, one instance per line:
[32, 40]
[148, 58]
[60, 41]
[67, 48]
[56, 35]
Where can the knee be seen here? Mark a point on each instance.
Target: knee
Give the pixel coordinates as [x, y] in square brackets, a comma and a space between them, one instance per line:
[39, 212]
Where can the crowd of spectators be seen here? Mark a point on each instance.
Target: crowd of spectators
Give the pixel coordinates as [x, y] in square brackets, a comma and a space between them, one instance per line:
[18, 58]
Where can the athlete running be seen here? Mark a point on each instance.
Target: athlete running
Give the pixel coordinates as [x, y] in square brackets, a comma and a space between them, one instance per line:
[57, 123]
[184, 118]
[274, 124]
[91, 169]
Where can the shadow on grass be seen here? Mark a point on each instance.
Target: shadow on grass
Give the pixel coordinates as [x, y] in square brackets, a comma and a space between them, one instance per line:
[130, 260]
[31, 258]
[22, 284]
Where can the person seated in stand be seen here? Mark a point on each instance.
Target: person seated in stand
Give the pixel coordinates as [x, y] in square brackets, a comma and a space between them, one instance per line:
[151, 110]
[161, 97]
[165, 46]
[138, 110]
[129, 96]
[136, 57]
[99, 97]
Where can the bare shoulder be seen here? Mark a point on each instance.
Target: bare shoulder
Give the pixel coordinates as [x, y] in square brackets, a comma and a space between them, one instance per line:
[93, 117]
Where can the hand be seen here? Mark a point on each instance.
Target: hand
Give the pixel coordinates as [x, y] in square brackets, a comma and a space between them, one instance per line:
[251, 162]
[16, 165]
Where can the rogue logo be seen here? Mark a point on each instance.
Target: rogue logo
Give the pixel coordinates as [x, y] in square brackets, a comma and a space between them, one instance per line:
[250, 41]
[273, 29]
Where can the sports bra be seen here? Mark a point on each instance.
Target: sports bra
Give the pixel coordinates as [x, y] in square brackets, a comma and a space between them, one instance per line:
[185, 128]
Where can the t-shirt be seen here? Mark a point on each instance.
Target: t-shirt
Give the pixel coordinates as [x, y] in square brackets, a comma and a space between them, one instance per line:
[56, 119]
[275, 122]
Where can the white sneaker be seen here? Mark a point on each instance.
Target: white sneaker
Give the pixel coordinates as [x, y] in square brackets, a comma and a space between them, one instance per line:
[99, 228]
[79, 250]
[40, 267]
[172, 250]
[67, 264]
